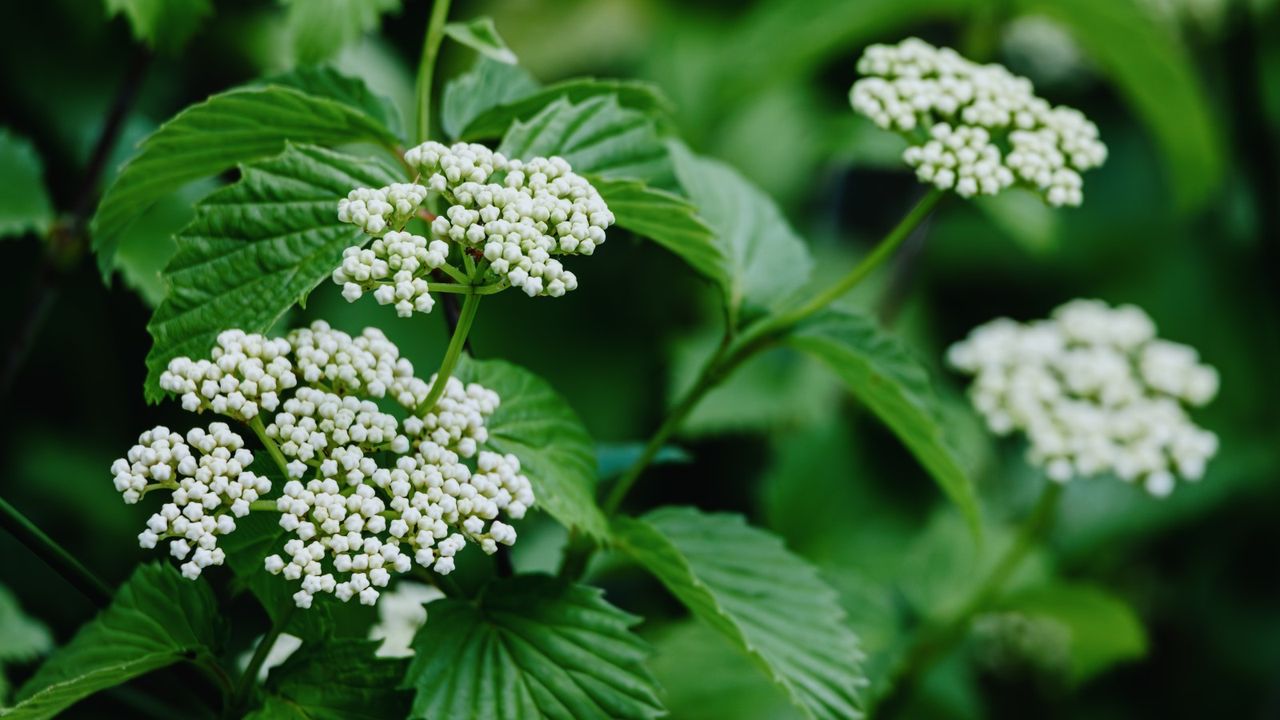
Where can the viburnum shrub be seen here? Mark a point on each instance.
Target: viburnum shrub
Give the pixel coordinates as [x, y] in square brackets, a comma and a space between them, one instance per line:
[323, 471]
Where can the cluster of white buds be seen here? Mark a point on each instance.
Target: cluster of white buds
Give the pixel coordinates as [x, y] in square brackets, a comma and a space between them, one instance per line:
[394, 267]
[210, 488]
[376, 211]
[246, 374]
[1094, 391]
[958, 115]
[368, 364]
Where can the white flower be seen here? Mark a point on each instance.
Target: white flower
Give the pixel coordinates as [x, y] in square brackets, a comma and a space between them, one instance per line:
[246, 374]
[383, 209]
[210, 488]
[401, 613]
[969, 112]
[1095, 392]
[393, 268]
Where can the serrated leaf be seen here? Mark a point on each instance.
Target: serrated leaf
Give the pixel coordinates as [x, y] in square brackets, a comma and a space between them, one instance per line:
[530, 647]
[884, 377]
[1104, 630]
[164, 25]
[157, 618]
[318, 29]
[337, 680]
[766, 260]
[667, 219]
[326, 82]
[482, 36]
[536, 425]
[488, 85]
[24, 201]
[632, 94]
[1158, 78]
[598, 136]
[743, 582]
[211, 137]
[24, 637]
[704, 678]
[256, 248]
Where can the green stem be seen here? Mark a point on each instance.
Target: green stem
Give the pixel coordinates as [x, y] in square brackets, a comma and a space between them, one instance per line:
[933, 643]
[250, 676]
[459, 339]
[460, 289]
[54, 555]
[454, 273]
[272, 449]
[263, 505]
[427, 65]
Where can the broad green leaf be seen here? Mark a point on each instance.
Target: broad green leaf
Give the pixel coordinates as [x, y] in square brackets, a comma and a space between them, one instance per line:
[1157, 77]
[885, 378]
[530, 647]
[489, 84]
[337, 680]
[667, 219]
[256, 248]
[157, 618]
[536, 425]
[598, 136]
[259, 535]
[704, 678]
[495, 121]
[765, 260]
[743, 582]
[24, 201]
[318, 29]
[482, 36]
[148, 244]
[212, 137]
[326, 82]
[24, 637]
[164, 25]
[612, 459]
[1104, 629]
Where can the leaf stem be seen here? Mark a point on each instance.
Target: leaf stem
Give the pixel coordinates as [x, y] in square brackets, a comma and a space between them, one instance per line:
[933, 643]
[54, 555]
[249, 677]
[451, 355]
[427, 65]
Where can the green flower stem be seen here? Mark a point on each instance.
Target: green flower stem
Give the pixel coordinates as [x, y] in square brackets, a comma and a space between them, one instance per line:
[272, 449]
[733, 353]
[244, 689]
[54, 555]
[427, 65]
[267, 505]
[461, 289]
[468, 316]
[934, 642]
[454, 273]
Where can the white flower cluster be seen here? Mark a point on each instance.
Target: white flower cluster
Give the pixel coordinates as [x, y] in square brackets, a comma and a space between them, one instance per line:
[1094, 391]
[960, 114]
[367, 494]
[374, 211]
[246, 375]
[394, 268]
[211, 487]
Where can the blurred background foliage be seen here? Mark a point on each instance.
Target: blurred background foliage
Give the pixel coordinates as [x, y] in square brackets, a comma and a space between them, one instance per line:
[1184, 220]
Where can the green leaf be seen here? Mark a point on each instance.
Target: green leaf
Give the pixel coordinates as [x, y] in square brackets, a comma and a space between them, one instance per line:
[536, 425]
[743, 582]
[482, 36]
[256, 248]
[667, 219]
[884, 377]
[704, 678]
[157, 618]
[765, 260]
[640, 96]
[164, 25]
[318, 29]
[530, 647]
[326, 82]
[338, 680]
[24, 201]
[25, 638]
[598, 136]
[212, 137]
[1157, 78]
[489, 84]
[1104, 629]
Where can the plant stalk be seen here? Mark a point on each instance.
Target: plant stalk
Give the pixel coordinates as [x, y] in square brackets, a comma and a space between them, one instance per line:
[451, 355]
[427, 65]
[54, 555]
[250, 676]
